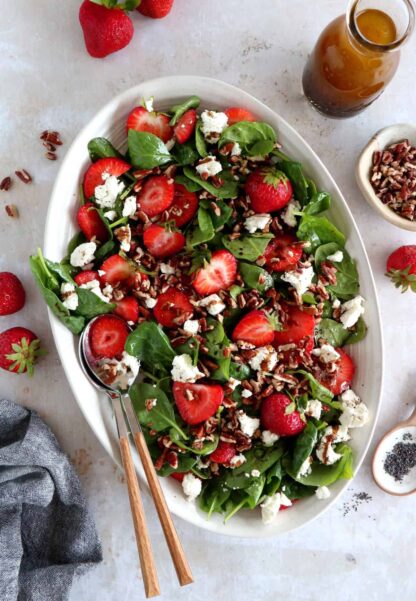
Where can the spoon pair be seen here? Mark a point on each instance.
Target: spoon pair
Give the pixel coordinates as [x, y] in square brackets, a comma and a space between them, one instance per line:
[122, 403]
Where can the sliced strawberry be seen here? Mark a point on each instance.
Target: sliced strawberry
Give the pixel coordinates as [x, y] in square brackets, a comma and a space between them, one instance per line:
[136, 280]
[83, 277]
[94, 175]
[223, 453]
[197, 402]
[107, 336]
[236, 114]
[268, 189]
[255, 328]
[339, 380]
[116, 269]
[162, 242]
[283, 252]
[156, 195]
[154, 123]
[185, 126]
[218, 274]
[297, 326]
[179, 476]
[91, 224]
[274, 416]
[128, 308]
[172, 308]
[183, 207]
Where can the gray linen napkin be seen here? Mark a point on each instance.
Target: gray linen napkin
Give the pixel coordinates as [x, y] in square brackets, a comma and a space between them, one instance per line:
[46, 531]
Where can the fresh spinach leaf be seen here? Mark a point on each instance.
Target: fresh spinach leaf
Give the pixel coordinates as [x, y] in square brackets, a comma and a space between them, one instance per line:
[46, 282]
[239, 371]
[294, 172]
[295, 490]
[332, 331]
[146, 150]
[318, 391]
[255, 277]
[203, 232]
[317, 231]
[213, 497]
[161, 415]
[248, 134]
[200, 143]
[90, 305]
[262, 148]
[304, 445]
[207, 448]
[180, 109]
[358, 332]
[324, 475]
[75, 241]
[347, 285]
[101, 148]
[320, 201]
[259, 458]
[190, 185]
[225, 212]
[184, 154]
[229, 189]
[248, 248]
[105, 250]
[150, 344]
[185, 464]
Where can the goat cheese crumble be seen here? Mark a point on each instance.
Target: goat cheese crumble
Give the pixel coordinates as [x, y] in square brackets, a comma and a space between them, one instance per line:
[300, 280]
[336, 257]
[120, 374]
[351, 311]
[271, 505]
[183, 370]
[288, 215]
[191, 326]
[83, 254]
[248, 425]
[69, 296]
[191, 486]
[94, 287]
[129, 207]
[269, 438]
[213, 124]
[257, 222]
[106, 193]
[313, 408]
[213, 304]
[264, 359]
[325, 450]
[209, 167]
[322, 492]
[326, 353]
[354, 411]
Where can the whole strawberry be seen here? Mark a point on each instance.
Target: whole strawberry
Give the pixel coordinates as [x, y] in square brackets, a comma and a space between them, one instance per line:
[268, 189]
[19, 350]
[278, 414]
[401, 267]
[106, 26]
[12, 293]
[157, 9]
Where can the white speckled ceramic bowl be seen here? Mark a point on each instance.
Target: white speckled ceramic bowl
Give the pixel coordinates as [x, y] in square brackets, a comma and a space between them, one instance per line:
[110, 122]
[384, 137]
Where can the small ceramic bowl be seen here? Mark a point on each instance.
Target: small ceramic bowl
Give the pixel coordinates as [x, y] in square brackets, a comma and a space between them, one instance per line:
[384, 137]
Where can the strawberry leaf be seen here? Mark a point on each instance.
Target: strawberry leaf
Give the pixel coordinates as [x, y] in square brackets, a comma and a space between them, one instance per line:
[402, 278]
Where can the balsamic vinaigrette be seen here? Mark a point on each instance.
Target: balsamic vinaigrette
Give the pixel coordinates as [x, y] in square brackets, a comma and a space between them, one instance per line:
[353, 61]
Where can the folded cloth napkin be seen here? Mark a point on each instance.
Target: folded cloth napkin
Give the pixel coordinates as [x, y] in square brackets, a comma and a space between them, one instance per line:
[46, 531]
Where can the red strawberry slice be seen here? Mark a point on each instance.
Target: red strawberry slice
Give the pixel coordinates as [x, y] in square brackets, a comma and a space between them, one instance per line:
[183, 207]
[162, 242]
[19, 350]
[218, 274]
[83, 277]
[153, 123]
[179, 476]
[197, 402]
[297, 326]
[223, 453]
[172, 308]
[236, 114]
[12, 293]
[136, 280]
[269, 190]
[339, 380]
[94, 175]
[106, 30]
[256, 328]
[107, 336]
[274, 416]
[185, 127]
[156, 195]
[283, 253]
[116, 269]
[156, 9]
[91, 224]
[128, 308]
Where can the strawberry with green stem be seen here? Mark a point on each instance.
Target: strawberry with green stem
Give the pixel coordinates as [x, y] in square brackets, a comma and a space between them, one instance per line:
[401, 267]
[19, 350]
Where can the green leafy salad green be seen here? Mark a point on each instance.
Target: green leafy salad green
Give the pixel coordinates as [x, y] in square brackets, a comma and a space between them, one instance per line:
[237, 294]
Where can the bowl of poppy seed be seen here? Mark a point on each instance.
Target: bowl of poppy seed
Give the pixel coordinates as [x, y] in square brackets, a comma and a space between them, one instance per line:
[386, 174]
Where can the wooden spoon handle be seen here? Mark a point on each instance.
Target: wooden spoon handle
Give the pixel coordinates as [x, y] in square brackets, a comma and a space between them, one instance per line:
[150, 579]
[182, 568]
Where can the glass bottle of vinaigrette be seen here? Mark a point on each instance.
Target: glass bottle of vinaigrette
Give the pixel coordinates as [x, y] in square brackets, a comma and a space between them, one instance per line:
[356, 57]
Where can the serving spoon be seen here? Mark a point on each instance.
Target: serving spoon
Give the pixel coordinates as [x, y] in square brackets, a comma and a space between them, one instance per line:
[385, 481]
[120, 400]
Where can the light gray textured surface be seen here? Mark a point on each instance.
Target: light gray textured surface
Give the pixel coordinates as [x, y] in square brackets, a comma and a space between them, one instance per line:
[48, 81]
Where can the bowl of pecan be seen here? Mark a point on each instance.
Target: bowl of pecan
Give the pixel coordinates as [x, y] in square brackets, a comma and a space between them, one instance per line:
[386, 174]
